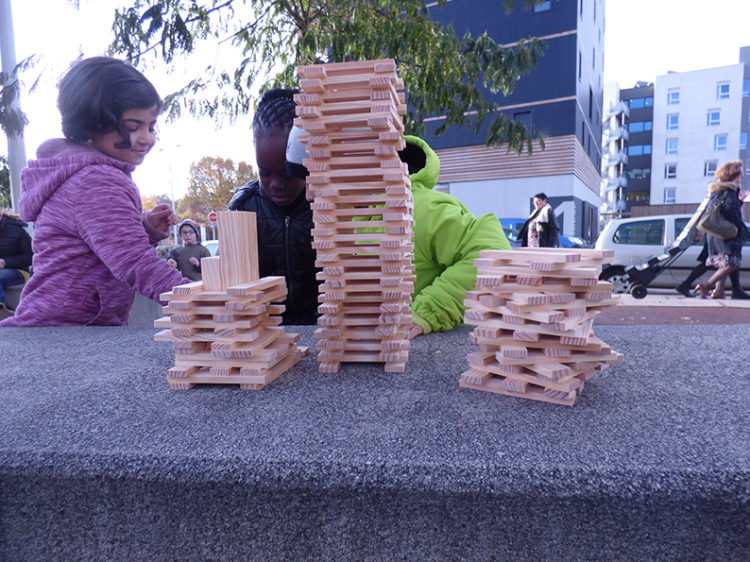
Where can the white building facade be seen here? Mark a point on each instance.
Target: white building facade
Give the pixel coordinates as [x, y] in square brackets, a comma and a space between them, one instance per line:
[698, 125]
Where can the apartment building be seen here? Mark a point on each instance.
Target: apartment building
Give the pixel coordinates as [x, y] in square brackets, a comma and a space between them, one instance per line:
[696, 121]
[562, 98]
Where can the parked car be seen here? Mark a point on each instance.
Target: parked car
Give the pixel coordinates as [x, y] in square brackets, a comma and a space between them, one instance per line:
[636, 240]
[512, 226]
[212, 245]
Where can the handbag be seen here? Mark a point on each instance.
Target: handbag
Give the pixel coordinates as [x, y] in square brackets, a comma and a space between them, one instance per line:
[713, 222]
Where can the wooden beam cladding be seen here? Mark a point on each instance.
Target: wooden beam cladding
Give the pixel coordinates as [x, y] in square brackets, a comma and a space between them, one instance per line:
[561, 156]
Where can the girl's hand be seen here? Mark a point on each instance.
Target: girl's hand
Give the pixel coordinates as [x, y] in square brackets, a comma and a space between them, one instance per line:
[2, 263]
[172, 263]
[744, 194]
[161, 217]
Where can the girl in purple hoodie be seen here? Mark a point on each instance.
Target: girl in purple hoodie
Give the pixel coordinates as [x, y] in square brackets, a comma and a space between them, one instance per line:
[93, 244]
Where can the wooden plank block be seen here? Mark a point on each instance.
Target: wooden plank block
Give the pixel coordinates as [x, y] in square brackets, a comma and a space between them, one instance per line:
[238, 247]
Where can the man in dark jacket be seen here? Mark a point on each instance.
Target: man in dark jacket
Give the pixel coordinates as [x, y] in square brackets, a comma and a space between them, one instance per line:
[15, 256]
[540, 230]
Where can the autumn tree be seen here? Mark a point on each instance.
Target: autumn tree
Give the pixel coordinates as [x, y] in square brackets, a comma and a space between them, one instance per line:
[150, 201]
[445, 75]
[212, 184]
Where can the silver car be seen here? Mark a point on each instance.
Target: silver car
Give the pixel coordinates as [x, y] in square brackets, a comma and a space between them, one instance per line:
[637, 240]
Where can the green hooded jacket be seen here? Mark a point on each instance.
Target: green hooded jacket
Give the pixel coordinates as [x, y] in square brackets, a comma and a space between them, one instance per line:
[447, 240]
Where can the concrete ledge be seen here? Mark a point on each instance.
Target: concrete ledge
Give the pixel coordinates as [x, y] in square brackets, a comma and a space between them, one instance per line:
[99, 460]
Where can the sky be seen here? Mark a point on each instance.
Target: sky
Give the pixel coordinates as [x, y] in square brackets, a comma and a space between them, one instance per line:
[643, 39]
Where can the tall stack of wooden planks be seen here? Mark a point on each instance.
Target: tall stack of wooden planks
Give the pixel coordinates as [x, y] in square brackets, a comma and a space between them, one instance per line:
[363, 211]
[225, 329]
[534, 310]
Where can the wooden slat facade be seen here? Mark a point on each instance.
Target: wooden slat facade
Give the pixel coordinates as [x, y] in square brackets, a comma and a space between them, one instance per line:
[561, 156]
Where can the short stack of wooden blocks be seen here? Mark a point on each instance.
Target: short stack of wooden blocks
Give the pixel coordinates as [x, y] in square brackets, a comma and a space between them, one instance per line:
[363, 211]
[225, 329]
[534, 310]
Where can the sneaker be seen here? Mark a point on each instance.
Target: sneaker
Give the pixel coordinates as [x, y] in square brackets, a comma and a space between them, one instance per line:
[740, 295]
[5, 312]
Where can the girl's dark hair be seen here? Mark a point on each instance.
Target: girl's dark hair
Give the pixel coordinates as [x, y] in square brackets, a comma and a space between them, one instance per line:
[95, 92]
[276, 110]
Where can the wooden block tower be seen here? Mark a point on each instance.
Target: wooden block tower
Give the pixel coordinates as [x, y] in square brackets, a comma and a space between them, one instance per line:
[225, 329]
[534, 310]
[363, 211]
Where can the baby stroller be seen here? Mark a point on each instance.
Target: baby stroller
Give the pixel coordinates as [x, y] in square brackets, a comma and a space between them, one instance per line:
[641, 275]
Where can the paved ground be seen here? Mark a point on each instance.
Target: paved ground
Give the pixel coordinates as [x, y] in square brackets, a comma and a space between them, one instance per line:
[666, 307]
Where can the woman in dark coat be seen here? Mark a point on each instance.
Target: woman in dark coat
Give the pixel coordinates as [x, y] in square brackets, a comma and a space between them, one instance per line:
[726, 255]
[15, 254]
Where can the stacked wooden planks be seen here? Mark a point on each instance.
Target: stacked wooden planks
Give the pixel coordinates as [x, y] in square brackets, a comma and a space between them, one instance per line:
[363, 211]
[534, 310]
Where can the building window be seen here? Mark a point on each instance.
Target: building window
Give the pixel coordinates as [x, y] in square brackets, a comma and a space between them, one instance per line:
[743, 140]
[720, 142]
[673, 97]
[543, 7]
[673, 121]
[639, 173]
[670, 171]
[639, 149]
[580, 64]
[671, 146]
[745, 88]
[523, 117]
[747, 167]
[635, 127]
[713, 118]
[709, 167]
[669, 195]
[636, 103]
[722, 90]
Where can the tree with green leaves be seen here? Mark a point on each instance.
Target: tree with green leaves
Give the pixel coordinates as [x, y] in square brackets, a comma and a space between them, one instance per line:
[444, 75]
[212, 184]
[4, 183]
[12, 119]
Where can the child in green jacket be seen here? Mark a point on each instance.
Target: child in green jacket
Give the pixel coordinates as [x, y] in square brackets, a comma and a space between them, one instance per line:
[447, 237]
[447, 240]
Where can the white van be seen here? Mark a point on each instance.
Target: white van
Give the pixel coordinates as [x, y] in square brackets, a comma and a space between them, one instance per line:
[635, 240]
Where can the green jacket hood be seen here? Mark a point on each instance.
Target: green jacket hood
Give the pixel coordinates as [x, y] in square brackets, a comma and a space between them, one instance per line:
[424, 164]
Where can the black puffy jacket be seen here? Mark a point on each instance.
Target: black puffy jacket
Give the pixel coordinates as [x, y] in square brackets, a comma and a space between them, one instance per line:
[15, 243]
[284, 248]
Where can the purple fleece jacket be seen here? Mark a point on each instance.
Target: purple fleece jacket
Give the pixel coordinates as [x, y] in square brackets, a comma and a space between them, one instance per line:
[92, 248]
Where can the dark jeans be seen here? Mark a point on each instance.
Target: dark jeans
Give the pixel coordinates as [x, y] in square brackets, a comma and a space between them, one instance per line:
[8, 278]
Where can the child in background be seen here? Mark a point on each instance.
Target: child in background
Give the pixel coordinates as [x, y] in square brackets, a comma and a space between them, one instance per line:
[283, 215]
[93, 245]
[187, 258]
[15, 256]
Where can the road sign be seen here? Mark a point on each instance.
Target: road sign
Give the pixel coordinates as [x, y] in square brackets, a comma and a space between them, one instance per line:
[212, 216]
